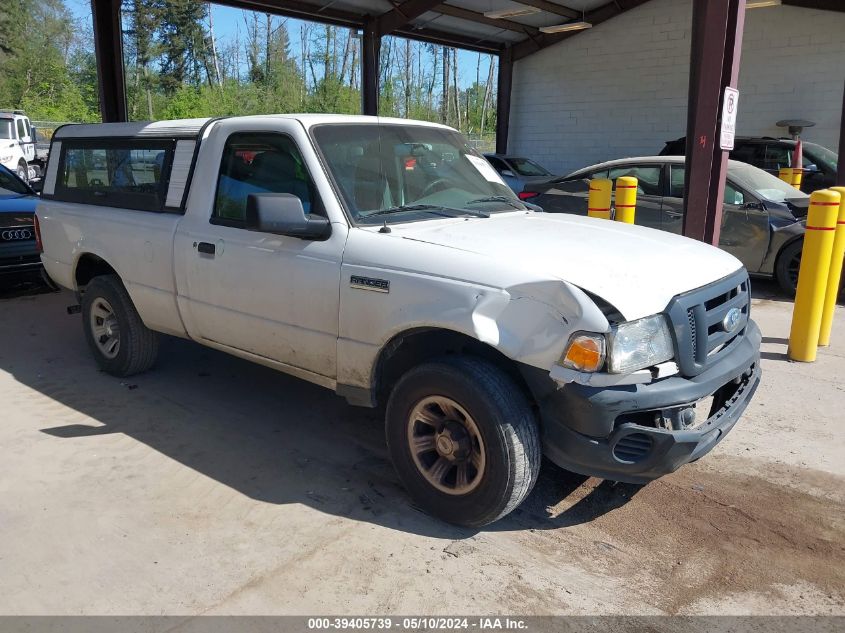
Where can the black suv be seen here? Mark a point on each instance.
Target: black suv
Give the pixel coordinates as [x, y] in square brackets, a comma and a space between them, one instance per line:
[771, 154]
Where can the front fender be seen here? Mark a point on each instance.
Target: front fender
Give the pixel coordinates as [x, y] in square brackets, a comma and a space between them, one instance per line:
[528, 323]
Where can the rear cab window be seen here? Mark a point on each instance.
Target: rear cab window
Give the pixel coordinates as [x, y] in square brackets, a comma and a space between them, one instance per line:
[129, 174]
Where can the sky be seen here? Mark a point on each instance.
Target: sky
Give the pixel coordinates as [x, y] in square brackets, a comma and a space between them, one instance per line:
[228, 21]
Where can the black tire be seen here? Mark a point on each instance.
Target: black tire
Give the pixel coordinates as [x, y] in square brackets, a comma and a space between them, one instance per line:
[22, 171]
[137, 345]
[507, 425]
[786, 268]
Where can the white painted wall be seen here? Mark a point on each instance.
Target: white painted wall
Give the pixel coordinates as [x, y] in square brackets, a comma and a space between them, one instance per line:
[620, 89]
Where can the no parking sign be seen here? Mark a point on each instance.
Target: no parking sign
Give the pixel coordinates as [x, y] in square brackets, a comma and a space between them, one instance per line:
[729, 107]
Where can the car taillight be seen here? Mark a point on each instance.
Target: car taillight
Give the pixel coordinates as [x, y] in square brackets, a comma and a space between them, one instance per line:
[38, 245]
[527, 195]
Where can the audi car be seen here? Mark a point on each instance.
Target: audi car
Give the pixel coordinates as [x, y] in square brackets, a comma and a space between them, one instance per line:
[18, 251]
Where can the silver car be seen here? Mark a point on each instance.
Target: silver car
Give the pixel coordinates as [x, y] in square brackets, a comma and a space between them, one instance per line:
[762, 223]
[517, 171]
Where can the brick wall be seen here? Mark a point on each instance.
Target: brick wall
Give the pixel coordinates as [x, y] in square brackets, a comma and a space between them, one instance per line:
[620, 89]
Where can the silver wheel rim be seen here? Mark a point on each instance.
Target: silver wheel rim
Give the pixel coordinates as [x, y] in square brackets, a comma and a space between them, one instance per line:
[446, 445]
[105, 328]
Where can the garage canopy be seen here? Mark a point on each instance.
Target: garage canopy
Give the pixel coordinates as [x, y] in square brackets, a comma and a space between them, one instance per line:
[513, 30]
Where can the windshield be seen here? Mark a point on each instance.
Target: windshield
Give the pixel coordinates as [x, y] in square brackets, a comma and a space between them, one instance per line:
[763, 184]
[11, 185]
[527, 167]
[386, 170]
[6, 128]
[822, 157]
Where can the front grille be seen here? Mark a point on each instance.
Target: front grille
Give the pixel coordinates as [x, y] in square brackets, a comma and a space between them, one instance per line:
[698, 322]
[632, 448]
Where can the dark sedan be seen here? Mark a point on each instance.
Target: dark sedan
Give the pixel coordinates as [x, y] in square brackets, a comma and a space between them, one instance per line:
[18, 252]
[771, 154]
[762, 223]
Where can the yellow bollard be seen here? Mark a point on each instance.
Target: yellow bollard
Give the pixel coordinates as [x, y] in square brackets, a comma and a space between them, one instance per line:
[835, 274]
[813, 274]
[791, 176]
[626, 199]
[598, 202]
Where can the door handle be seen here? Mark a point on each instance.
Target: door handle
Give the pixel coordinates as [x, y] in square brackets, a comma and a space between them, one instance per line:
[675, 214]
[206, 248]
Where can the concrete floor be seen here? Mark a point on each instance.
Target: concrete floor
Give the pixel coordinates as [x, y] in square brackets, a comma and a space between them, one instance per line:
[214, 486]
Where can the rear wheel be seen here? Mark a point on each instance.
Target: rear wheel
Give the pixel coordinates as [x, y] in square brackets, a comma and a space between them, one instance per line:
[463, 439]
[787, 267]
[122, 345]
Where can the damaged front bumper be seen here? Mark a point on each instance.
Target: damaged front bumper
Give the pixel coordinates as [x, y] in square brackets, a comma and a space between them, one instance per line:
[635, 433]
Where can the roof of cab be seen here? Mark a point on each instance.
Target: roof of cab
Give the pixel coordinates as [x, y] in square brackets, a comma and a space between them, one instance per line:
[190, 128]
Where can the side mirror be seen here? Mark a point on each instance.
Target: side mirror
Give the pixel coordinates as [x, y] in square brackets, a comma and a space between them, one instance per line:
[282, 214]
[508, 173]
[811, 169]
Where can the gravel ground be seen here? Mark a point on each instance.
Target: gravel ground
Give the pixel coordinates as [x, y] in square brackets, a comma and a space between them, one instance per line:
[214, 486]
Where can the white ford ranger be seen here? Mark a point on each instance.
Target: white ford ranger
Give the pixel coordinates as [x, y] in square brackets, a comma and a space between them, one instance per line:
[386, 260]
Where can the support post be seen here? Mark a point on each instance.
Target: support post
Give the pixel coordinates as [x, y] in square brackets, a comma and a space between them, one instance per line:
[108, 48]
[370, 53]
[717, 27]
[503, 100]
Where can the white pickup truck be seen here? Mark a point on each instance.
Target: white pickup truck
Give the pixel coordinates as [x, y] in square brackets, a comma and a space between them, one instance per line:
[386, 260]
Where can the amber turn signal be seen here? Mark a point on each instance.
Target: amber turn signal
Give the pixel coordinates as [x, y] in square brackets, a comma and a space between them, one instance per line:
[585, 352]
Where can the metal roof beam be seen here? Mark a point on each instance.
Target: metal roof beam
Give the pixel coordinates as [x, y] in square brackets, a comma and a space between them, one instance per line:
[432, 36]
[596, 16]
[480, 18]
[298, 9]
[551, 7]
[403, 14]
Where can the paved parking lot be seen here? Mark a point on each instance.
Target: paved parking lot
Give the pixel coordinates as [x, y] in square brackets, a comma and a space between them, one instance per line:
[214, 486]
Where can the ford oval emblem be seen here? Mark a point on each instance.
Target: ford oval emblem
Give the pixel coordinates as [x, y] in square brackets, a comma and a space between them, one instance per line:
[731, 320]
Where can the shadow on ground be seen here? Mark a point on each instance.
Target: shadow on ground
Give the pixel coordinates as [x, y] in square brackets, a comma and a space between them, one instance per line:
[269, 436]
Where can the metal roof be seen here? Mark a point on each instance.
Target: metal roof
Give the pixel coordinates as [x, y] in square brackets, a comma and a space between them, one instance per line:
[462, 23]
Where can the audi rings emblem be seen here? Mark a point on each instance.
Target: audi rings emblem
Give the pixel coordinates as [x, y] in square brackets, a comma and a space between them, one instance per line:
[16, 234]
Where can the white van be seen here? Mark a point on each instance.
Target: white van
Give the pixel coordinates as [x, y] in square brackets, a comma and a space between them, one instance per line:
[17, 144]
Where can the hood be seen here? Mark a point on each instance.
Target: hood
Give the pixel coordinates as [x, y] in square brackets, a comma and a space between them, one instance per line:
[636, 269]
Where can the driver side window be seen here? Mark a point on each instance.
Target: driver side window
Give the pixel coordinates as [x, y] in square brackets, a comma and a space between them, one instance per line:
[259, 162]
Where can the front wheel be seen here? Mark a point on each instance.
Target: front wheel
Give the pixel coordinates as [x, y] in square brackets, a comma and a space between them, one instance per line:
[463, 439]
[787, 267]
[122, 345]
[22, 171]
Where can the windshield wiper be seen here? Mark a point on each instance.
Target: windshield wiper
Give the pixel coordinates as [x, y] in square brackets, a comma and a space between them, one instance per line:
[433, 208]
[504, 199]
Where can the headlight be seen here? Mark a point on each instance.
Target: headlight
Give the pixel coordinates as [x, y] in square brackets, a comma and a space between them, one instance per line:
[638, 344]
[585, 352]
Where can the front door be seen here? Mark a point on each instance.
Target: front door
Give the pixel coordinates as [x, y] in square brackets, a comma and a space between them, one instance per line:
[745, 224]
[270, 295]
